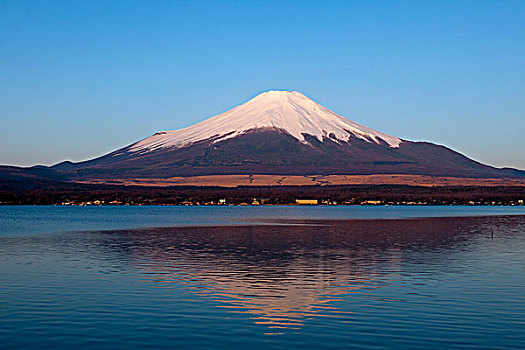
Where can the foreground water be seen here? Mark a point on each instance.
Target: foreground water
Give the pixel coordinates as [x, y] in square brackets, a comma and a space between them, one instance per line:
[268, 277]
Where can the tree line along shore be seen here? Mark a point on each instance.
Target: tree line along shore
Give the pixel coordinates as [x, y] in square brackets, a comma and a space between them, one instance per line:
[87, 194]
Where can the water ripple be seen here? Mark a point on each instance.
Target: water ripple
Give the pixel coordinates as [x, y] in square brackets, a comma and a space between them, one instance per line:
[442, 282]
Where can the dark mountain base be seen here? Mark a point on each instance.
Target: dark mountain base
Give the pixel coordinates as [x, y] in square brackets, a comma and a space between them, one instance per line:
[274, 152]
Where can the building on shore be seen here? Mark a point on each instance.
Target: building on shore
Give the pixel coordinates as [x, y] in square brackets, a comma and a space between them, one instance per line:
[372, 202]
[306, 201]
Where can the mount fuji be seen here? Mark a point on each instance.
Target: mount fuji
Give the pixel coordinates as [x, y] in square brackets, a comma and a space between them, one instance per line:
[276, 133]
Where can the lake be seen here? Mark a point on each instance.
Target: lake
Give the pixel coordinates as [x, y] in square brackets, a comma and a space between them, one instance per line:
[269, 277]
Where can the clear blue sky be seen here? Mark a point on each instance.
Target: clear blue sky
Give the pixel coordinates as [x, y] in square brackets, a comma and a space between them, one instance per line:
[81, 78]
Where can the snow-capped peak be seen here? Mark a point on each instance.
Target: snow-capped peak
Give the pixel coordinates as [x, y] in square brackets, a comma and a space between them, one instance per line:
[289, 111]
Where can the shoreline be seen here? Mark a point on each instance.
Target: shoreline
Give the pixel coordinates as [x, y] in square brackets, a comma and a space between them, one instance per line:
[257, 205]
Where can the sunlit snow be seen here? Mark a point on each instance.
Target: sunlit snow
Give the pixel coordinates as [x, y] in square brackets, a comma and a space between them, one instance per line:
[289, 111]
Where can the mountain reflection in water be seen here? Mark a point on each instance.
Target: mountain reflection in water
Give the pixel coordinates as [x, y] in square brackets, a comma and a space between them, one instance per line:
[283, 275]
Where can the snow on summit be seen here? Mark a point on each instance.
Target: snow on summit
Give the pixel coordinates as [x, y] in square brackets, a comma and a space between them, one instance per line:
[289, 111]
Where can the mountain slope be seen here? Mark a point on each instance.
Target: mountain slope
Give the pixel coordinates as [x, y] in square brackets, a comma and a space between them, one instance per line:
[279, 133]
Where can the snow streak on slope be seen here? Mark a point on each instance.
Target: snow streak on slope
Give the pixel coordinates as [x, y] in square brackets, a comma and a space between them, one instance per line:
[289, 111]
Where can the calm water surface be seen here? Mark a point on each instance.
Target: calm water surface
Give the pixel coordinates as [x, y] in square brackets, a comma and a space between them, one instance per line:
[267, 277]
